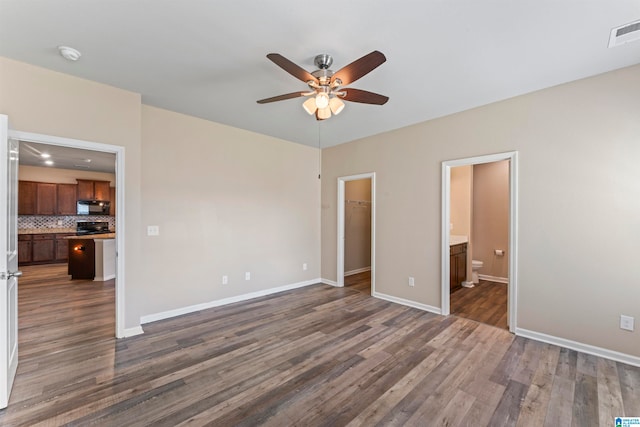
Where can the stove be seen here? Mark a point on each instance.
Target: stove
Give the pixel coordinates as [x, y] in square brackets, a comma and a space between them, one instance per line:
[84, 228]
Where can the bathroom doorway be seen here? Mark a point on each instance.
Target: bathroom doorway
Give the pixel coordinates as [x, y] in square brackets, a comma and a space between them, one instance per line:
[479, 239]
[356, 232]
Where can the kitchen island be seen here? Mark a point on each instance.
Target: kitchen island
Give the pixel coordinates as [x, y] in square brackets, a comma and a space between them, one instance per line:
[92, 257]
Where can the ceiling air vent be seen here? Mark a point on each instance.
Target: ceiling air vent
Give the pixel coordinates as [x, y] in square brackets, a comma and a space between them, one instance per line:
[625, 34]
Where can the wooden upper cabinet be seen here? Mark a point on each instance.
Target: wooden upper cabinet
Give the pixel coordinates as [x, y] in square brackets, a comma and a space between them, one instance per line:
[112, 198]
[93, 190]
[66, 199]
[27, 197]
[46, 199]
[85, 189]
[101, 190]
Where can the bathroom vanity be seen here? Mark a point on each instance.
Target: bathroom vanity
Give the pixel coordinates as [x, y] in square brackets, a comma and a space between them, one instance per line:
[457, 265]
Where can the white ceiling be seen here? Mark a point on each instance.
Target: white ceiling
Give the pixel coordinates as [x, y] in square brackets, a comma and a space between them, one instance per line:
[207, 58]
[31, 154]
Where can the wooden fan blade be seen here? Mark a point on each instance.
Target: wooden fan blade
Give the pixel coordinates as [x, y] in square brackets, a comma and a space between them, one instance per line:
[291, 68]
[363, 96]
[359, 68]
[281, 97]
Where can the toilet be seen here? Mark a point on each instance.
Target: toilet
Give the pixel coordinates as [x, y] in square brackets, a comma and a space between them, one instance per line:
[475, 266]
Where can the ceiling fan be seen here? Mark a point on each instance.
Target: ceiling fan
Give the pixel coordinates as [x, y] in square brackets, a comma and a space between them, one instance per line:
[327, 91]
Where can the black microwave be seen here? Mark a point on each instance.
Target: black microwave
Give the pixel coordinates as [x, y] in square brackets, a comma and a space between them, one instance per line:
[93, 207]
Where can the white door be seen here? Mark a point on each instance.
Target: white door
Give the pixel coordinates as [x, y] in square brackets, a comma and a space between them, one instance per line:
[8, 262]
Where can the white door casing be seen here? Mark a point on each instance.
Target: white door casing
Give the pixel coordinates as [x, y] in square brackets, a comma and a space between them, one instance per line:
[341, 226]
[512, 299]
[8, 261]
[119, 151]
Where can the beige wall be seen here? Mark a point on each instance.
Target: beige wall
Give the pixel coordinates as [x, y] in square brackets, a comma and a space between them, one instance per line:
[50, 103]
[227, 202]
[491, 217]
[461, 198]
[62, 176]
[461, 207]
[357, 225]
[578, 207]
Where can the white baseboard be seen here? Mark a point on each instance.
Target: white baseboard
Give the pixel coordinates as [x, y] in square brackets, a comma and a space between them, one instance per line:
[578, 346]
[330, 282]
[407, 302]
[192, 308]
[131, 332]
[493, 278]
[356, 271]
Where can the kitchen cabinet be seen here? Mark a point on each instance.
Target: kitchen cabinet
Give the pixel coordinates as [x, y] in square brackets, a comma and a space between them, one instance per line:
[43, 248]
[93, 190]
[43, 198]
[66, 201]
[457, 265]
[27, 191]
[24, 249]
[112, 199]
[46, 198]
[62, 246]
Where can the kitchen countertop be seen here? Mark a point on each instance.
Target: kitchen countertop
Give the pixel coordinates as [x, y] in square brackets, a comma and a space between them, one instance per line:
[93, 236]
[45, 230]
[457, 240]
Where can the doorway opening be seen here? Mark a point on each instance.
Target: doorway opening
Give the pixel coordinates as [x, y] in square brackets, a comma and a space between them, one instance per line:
[25, 137]
[356, 232]
[479, 239]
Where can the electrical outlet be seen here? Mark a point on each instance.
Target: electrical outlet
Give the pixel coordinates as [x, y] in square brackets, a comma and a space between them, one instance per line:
[247, 276]
[412, 281]
[304, 266]
[153, 230]
[225, 280]
[626, 322]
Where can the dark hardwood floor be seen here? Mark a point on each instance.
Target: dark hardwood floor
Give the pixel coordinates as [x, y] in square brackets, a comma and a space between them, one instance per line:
[359, 282]
[486, 302]
[315, 356]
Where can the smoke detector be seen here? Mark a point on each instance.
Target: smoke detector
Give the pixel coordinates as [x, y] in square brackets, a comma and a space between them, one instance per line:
[69, 53]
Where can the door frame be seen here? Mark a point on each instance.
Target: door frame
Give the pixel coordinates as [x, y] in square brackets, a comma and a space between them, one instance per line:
[120, 206]
[9, 279]
[341, 226]
[512, 300]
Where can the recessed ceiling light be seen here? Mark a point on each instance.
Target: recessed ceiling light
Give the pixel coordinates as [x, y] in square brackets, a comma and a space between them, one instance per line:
[86, 160]
[45, 155]
[48, 162]
[69, 53]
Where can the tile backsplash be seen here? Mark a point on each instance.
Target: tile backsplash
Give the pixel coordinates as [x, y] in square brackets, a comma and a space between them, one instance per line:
[52, 221]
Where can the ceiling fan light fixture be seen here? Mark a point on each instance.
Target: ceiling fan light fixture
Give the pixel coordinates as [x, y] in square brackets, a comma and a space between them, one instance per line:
[322, 100]
[336, 105]
[310, 105]
[324, 113]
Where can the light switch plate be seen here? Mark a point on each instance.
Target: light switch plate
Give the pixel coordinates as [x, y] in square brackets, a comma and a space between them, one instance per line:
[153, 230]
[626, 322]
